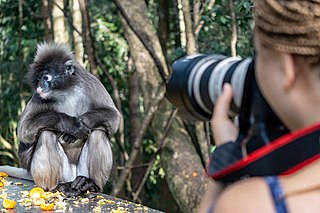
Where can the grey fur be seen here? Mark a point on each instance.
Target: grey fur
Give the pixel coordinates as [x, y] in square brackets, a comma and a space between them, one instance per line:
[83, 109]
[16, 172]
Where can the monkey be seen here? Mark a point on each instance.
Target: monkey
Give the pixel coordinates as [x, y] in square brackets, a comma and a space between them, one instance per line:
[65, 127]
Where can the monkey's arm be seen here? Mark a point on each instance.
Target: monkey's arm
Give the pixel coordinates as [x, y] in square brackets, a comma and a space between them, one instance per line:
[32, 123]
[107, 119]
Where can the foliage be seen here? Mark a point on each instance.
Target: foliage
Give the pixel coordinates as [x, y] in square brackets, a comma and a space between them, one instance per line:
[215, 35]
[14, 59]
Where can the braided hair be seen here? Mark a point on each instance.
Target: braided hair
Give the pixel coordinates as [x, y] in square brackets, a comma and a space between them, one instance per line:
[291, 26]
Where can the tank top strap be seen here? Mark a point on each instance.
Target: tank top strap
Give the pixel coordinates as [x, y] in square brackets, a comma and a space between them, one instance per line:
[277, 193]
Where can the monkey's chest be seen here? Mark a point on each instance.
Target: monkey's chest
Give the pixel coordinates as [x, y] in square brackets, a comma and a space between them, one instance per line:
[74, 105]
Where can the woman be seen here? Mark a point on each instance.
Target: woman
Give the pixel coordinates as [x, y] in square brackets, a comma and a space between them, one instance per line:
[287, 40]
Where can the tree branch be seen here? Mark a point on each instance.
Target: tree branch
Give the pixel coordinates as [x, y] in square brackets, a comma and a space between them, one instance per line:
[233, 41]
[138, 140]
[152, 53]
[68, 18]
[153, 158]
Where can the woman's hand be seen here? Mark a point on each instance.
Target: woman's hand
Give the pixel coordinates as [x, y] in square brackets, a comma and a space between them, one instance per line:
[223, 128]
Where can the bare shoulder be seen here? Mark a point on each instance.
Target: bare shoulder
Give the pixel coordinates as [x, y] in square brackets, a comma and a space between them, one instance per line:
[251, 195]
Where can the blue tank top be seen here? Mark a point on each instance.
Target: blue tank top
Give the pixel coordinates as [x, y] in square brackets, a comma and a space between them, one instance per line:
[277, 193]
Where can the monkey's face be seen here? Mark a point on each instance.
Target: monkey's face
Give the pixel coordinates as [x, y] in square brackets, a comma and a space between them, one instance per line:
[53, 70]
[54, 78]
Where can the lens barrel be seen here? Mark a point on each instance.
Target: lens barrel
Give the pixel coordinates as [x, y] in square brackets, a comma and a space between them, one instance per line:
[197, 80]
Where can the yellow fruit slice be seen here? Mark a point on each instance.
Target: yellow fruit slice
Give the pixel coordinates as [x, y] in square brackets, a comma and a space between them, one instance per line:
[9, 204]
[47, 206]
[38, 202]
[36, 192]
[1, 184]
[47, 195]
[3, 174]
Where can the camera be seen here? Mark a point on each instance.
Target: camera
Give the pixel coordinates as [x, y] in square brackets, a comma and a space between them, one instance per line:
[196, 83]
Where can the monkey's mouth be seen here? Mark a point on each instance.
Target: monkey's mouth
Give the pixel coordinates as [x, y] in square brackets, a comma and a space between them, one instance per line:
[44, 94]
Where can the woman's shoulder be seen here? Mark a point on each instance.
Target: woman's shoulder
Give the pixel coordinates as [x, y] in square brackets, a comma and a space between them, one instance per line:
[250, 195]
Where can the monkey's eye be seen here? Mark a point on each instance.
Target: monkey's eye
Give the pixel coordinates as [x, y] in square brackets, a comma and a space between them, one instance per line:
[47, 77]
[69, 67]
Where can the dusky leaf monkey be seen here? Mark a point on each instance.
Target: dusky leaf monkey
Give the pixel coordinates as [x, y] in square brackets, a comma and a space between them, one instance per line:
[64, 128]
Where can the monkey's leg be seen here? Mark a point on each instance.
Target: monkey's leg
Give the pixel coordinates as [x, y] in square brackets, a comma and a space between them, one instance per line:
[49, 163]
[95, 163]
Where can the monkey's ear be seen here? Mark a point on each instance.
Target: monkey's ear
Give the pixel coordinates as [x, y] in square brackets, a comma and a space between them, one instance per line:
[69, 67]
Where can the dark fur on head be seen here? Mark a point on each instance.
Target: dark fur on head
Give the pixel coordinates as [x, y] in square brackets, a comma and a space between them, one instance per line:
[49, 57]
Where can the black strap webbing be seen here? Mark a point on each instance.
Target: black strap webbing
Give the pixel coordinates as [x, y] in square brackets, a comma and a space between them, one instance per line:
[284, 155]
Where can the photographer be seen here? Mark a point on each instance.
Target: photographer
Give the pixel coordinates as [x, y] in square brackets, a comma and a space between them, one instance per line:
[287, 40]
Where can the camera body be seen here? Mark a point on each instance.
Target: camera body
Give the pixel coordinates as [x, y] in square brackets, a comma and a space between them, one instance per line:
[197, 82]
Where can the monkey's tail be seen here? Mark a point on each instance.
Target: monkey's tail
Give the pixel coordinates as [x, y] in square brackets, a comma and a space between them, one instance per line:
[16, 172]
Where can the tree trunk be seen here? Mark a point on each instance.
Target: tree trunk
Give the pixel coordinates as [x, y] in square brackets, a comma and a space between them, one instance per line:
[135, 125]
[59, 27]
[88, 43]
[163, 30]
[176, 24]
[21, 55]
[46, 11]
[233, 42]
[190, 39]
[144, 64]
[182, 25]
[77, 38]
[184, 172]
[185, 179]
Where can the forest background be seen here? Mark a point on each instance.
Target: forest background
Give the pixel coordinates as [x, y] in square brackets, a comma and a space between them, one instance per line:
[159, 158]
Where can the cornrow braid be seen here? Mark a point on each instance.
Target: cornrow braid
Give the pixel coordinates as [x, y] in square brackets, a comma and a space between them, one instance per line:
[291, 26]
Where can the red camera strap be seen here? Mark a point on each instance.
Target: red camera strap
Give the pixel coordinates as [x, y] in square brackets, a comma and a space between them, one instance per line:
[284, 155]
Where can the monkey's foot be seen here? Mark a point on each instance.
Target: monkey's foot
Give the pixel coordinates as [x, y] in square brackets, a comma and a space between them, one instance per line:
[67, 189]
[85, 184]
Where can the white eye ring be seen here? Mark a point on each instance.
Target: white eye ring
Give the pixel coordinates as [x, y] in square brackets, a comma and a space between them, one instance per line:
[69, 67]
[47, 77]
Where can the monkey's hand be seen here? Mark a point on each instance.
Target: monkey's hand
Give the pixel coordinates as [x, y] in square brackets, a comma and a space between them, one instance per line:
[85, 184]
[66, 189]
[78, 130]
[67, 138]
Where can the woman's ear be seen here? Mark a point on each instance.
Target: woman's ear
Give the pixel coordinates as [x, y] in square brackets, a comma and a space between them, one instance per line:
[290, 68]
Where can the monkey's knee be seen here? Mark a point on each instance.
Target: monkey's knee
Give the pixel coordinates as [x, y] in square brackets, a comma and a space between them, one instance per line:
[97, 154]
[45, 165]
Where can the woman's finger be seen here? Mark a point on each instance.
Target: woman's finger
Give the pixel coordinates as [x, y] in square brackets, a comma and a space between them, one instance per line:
[223, 128]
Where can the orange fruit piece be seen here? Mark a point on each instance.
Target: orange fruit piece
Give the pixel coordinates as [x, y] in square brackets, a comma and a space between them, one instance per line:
[38, 202]
[36, 192]
[1, 184]
[47, 206]
[46, 195]
[3, 174]
[9, 204]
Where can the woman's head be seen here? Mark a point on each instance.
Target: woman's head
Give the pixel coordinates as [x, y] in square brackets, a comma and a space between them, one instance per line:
[287, 37]
[291, 26]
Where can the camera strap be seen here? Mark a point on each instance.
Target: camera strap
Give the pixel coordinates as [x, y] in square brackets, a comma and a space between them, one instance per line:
[283, 156]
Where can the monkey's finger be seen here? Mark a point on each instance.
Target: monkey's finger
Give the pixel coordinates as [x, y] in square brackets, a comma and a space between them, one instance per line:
[67, 190]
[85, 130]
[78, 182]
[90, 185]
[69, 138]
[82, 132]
